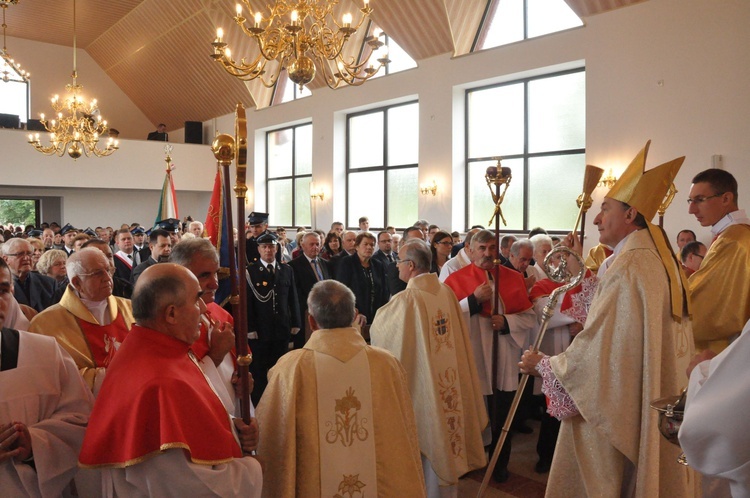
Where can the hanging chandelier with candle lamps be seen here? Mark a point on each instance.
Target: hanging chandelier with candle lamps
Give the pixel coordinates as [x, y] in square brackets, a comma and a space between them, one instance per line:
[77, 132]
[11, 70]
[302, 37]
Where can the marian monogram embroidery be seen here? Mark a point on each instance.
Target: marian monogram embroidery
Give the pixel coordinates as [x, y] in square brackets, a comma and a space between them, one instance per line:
[441, 326]
[347, 426]
[450, 397]
[349, 486]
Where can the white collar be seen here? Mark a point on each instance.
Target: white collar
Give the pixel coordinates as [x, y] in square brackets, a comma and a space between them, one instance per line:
[734, 218]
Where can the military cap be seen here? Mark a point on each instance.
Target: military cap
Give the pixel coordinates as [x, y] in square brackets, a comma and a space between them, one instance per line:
[256, 218]
[266, 238]
[170, 225]
[67, 228]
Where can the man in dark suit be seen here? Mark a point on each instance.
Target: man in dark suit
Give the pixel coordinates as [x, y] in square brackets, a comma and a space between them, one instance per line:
[125, 256]
[385, 253]
[160, 134]
[160, 246]
[30, 288]
[68, 233]
[272, 311]
[308, 270]
[395, 284]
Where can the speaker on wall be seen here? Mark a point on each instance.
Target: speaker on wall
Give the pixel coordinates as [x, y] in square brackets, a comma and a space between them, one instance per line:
[193, 132]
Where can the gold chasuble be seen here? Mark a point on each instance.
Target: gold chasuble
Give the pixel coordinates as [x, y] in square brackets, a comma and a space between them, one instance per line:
[630, 352]
[336, 418]
[423, 327]
[721, 290]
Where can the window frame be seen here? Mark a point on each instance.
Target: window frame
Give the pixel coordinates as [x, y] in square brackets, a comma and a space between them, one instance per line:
[294, 176]
[385, 167]
[526, 156]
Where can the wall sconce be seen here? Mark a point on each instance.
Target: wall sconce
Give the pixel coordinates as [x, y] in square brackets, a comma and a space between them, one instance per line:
[319, 194]
[429, 189]
[607, 181]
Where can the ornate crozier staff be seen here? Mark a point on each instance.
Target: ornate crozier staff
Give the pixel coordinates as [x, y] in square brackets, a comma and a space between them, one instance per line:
[559, 275]
[665, 203]
[590, 179]
[227, 148]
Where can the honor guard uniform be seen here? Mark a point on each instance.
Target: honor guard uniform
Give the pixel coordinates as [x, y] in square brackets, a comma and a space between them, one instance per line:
[272, 311]
[258, 223]
[173, 226]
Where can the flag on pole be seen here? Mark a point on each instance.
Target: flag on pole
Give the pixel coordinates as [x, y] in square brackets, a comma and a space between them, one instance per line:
[218, 232]
[168, 201]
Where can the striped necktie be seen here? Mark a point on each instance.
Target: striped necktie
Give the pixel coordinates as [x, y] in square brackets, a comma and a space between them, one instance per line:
[318, 274]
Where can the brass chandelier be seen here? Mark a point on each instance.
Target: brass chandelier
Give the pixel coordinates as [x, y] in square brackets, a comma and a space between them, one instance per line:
[301, 36]
[11, 70]
[79, 131]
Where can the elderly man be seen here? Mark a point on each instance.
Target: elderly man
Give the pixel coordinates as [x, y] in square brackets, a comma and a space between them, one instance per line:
[212, 349]
[120, 287]
[521, 255]
[424, 328]
[308, 269]
[461, 259]
[336, 416]
[88, 322]
[272, 311]
[44, 407]
[154, 379]
[196, 228]
[395, 284]
[720, 289]
[514, 320]
[634, 347]
[160, 247]
[29, 288]
[348, 244]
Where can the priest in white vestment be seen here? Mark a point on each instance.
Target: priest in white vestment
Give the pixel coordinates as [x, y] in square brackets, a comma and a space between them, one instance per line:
[336, 415]
[44, 407]
[714, 433]
[423, 327]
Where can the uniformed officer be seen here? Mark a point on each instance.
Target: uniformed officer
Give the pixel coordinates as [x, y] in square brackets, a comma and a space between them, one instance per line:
[258, 225]
[173, 226]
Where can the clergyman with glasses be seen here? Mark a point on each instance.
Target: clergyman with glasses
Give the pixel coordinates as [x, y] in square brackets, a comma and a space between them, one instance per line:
[720, 288]
[88, 322]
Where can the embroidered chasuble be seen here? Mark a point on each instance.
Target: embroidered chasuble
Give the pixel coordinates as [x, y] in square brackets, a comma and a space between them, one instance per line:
[424, 328]
[72, 324]
[336, 418]
[630, 352]
[721, 290]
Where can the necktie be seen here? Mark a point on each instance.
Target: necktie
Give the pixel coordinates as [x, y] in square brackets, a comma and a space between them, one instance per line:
[317, 270]
[270, 269]
[130, 256]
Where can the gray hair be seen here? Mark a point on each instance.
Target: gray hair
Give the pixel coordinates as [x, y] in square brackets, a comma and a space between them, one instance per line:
[184, 252]
[152, 295]
[541, 238]
[418, 252]
[308, 234]
[75, 266]
[48, 259]
[507, 241]
[11, 246]
[331, 304]
[515, 249]
[195, 223]
[481, 237]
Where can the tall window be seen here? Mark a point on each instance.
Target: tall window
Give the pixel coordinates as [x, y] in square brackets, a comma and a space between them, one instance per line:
[509, 21]
[19, 212]
[382, 155]
[14, 100]
[288, 173]
[537, 125]
[400, 59]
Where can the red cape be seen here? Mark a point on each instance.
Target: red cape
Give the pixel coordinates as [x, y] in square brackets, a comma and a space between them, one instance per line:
[512, 287]
[155, 398]
[217, 313]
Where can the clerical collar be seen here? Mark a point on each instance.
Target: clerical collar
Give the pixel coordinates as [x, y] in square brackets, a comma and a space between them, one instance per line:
[734, 218]
[607, 262]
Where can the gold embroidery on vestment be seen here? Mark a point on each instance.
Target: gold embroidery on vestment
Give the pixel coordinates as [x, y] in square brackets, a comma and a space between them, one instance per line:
[347, 426]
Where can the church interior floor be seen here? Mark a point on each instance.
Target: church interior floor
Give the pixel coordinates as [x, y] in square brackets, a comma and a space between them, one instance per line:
[523, 481]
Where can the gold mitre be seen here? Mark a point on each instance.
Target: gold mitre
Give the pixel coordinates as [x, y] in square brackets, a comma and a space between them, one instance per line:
[645, 190]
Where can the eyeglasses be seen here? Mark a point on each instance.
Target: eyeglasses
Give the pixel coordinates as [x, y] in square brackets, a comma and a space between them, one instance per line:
[21, 254]
[700, 199]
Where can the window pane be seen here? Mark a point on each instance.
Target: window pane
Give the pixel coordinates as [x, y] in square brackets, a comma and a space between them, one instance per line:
[280, 153]
[554, 184]
[400, 60]
[403, 192]
[280, 202]
[549, 16]
[13, 99]
[366, 197]
[303, 150]
[403, 135]
[481, 206]
[557, 113]
[506, 26]
[496, 121]
[366, 141]
[302, 202]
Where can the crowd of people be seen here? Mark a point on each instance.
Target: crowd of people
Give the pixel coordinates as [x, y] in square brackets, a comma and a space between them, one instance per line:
[383, 363]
